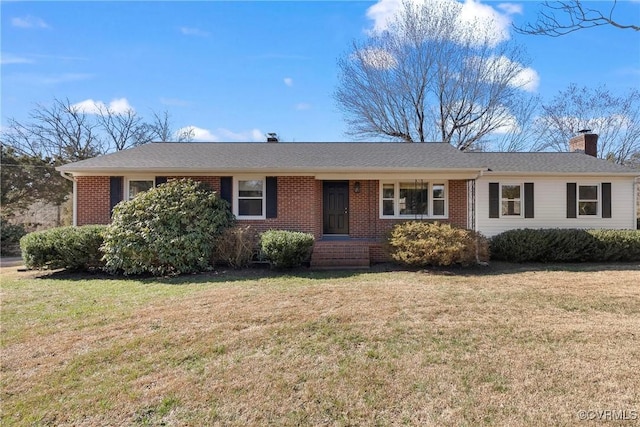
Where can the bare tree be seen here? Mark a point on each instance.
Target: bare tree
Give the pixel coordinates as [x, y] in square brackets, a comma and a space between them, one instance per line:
[428, 78]
[563, 17]
[616, 119]
[161, 130]
[60, 131]
[123, 129]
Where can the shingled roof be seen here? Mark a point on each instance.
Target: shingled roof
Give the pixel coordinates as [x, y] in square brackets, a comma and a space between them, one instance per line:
[291, 157]
[334, 158]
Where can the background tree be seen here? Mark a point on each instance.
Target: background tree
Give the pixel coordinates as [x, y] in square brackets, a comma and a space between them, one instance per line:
[60, 133]
[563, 17]
[161, 130]
[430, 78]
[616, 119]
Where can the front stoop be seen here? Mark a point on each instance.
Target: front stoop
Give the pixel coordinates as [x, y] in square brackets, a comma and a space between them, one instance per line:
[340, 254]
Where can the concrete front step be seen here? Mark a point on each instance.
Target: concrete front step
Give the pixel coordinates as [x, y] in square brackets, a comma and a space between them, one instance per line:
[340, 255]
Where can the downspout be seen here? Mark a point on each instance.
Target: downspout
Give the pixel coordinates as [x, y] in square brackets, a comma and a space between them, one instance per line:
[636, 184]
[74, 209]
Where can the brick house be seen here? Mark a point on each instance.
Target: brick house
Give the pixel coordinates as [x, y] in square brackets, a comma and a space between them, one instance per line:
[349, 195]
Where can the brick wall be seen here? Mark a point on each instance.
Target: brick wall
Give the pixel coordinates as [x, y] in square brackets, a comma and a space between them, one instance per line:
[299, 205]
[93, 200]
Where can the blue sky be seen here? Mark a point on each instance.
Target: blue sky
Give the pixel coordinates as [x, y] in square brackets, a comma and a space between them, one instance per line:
[237, 70]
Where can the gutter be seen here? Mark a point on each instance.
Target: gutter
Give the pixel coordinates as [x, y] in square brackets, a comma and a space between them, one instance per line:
[74, 209]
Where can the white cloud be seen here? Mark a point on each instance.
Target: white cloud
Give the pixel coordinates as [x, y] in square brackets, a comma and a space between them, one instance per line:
[222, 134]
[116, 106]
[174, 102]
[378, 58]
[288, 81]
[7, 58]
[189, 31]
[528, 79]
[496, 67]
[494, 24]
[303, 106]
[29, 22]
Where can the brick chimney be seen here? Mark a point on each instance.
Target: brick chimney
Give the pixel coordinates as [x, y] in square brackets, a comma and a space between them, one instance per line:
[585, 142]
[272, 137]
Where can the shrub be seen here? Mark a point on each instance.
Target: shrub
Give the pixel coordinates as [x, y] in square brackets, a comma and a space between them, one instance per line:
[286, 249]
[420, 244]
[170, 229]
[236, 246]
[617, 245]
[73, 248]
[566, 245]
[10, 235]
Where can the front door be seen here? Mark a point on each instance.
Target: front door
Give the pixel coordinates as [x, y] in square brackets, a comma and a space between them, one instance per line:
[336, 207]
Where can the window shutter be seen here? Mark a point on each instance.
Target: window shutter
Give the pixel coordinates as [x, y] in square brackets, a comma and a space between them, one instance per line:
[494, 200]
[116, 190]
[160, 180]
[606, 200]
[572, 209]
[272, 197]
[528, 200]
[226, 189]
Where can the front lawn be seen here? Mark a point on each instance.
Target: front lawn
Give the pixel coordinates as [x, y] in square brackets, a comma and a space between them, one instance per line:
[509, 345]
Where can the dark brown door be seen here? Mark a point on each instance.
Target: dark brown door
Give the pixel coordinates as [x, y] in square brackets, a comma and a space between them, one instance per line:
[336, 207]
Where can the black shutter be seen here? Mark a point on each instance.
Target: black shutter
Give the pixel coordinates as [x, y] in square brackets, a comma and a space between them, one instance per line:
[528, 200]
[572, 209]
[494, 200]
[160, 180]
[272, 197]
[606, 200]
[116, 190]
[226, 188]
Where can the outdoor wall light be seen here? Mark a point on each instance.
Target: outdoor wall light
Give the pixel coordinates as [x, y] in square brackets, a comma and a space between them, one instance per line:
[356, 187]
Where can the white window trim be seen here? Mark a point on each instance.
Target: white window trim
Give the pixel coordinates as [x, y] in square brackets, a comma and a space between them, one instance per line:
[598, 200]
[521, 185]
[137, 178]
[396, 195]
[236, 197]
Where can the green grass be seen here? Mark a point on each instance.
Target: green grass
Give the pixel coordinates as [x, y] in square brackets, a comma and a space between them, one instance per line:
[508, 345]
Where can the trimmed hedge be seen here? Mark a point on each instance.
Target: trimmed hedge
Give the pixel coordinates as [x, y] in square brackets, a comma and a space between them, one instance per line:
[73, 248]
[420, 244]
[286, 249]
[566, 245]
[168, 230]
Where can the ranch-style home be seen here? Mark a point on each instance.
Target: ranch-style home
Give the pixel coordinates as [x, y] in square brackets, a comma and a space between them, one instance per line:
[349, 195]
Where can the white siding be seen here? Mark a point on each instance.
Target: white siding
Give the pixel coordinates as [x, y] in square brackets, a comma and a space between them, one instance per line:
[550, 204]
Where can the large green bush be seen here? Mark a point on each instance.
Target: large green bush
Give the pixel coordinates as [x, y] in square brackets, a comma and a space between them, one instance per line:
[73, 248]
[286, 249]
[170, 229]
[10, 235]
[566, 245]
[420, 244]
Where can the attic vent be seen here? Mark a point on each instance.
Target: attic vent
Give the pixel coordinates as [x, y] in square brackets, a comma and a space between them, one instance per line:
[272, 137]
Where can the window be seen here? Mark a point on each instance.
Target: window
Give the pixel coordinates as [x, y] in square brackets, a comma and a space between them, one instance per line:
[250, 198]
[137, 186]
[411, 199]
[587, 200]
[511, 201]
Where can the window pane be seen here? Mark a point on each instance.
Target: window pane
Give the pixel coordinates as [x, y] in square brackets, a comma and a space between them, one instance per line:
[137, 187]
[387, 207]
[387, 191]
[588, 192]
[438, 191]
[413, 199]
[438, 207]
[250, 188]
[588, 208]
[510, 207]
[510, 191]
[250, 207]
